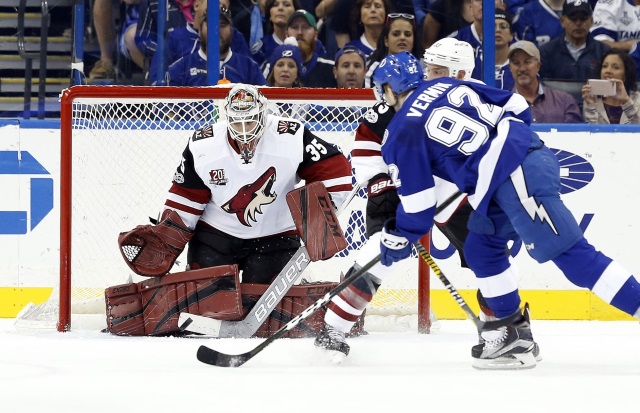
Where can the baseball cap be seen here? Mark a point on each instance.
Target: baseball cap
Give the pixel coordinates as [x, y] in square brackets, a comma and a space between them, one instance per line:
[576, 6]
[350, 49]
[303, 13]
[526, 46]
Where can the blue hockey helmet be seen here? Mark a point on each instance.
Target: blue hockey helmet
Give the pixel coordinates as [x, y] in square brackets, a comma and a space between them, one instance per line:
[402, 71]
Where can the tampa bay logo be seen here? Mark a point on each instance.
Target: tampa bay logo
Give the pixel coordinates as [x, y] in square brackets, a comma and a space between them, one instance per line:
[247, 203]
[575, 171]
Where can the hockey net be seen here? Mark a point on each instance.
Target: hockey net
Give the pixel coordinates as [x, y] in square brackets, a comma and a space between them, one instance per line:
[119, 150]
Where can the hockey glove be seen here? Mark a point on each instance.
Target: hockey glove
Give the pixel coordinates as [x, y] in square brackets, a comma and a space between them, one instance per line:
[393, 246]
[151, 250]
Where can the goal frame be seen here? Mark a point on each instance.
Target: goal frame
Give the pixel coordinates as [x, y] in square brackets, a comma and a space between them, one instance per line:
[68, 96]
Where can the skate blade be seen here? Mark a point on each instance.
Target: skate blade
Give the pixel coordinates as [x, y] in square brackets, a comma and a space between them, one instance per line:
[520, 361]
[536, 349]
[332, 357]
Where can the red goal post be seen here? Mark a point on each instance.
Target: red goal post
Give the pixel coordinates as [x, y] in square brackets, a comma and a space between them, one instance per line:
[121, 130]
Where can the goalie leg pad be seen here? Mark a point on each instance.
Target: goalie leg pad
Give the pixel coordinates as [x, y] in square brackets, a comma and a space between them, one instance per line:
[299, 298]
[152, 307]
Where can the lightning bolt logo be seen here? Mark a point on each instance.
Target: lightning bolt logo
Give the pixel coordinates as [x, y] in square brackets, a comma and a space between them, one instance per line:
[528, 202]
[534, 209]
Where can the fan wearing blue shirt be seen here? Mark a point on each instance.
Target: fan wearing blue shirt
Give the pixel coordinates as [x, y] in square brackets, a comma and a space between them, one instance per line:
[191, 70]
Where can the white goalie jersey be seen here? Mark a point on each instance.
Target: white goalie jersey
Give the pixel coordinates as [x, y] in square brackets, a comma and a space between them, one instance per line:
[247, 200]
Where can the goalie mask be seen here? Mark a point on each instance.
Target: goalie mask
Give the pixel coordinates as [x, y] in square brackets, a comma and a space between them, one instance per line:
[453, 54]
[246, 109]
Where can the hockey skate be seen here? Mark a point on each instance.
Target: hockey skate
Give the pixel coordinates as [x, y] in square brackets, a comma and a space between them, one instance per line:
[476, 350]
[334, 342]
[508, 348]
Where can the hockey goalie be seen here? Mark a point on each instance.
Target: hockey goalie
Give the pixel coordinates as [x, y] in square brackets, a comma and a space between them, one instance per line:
[234, 204]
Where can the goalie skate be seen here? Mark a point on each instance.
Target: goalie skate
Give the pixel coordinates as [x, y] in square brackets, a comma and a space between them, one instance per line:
[511, 347]
[334, 342]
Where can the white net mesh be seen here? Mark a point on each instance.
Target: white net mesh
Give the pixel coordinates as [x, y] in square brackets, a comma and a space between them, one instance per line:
[125, 150]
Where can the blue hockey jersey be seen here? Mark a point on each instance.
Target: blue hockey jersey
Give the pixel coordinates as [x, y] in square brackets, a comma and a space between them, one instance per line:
[467, 133]
[191, 70]
[537, 23]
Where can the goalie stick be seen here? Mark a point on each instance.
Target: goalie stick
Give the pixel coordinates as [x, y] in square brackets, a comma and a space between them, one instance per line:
[215, 358]
[281, 284]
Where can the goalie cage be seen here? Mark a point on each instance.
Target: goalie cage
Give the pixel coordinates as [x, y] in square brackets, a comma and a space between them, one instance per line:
[120, 146]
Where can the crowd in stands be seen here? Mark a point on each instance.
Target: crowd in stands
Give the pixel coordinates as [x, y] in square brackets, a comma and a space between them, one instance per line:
[545, 50]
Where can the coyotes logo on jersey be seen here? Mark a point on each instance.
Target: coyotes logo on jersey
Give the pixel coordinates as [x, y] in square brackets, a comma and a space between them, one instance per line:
[204, 133]
[248, 201]
[285, 126]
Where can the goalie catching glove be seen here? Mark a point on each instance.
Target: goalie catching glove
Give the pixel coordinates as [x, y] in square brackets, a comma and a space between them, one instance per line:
[151, 250]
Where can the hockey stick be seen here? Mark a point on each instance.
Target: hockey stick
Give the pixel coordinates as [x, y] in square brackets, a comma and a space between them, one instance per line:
[480, 325]
[215, 358]
[268, 301]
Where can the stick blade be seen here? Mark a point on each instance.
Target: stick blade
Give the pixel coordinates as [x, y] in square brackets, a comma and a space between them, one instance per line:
[199, 324]
[215, 358]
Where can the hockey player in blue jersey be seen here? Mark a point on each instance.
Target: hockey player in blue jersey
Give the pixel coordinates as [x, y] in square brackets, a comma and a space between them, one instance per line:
[480, 138]
[447, 57]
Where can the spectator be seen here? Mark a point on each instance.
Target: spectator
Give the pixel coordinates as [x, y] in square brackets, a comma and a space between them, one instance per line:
[127, 39]
[349, 69]
[616, 23]
[367, 21]
[472, 34]
[420, 10]
[622, 107]
[179, 13]
[191, 70]
[444, 18]
[503, 38]
[399, 34]
[238, 43]
[316, 71]
[635, 55]
[285, 66]
[547, 104]
[576, 55]
[539, 21]
[342, 12]
[183, 40]
[514, 6]
[324, 9]
[277, 13]
[103, 24]
[248, 19]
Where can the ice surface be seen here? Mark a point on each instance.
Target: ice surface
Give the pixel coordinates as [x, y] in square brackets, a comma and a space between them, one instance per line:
[587, 367]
